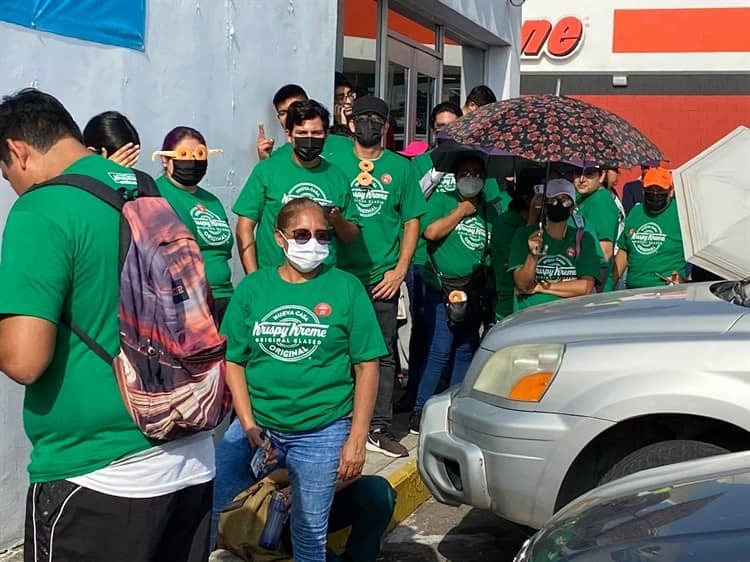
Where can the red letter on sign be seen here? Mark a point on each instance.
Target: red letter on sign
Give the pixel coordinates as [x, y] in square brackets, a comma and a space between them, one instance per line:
[533, 35]
[566, 37]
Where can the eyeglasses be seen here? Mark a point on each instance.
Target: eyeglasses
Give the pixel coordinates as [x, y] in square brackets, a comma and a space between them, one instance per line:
[303, 235]
[340, 98]
[376, 120]
[566, 203]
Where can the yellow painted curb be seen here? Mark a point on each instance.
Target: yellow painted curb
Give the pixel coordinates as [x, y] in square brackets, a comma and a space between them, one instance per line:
[410, 494]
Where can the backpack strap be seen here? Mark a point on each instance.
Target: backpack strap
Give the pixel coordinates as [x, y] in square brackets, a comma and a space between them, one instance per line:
[115, 199]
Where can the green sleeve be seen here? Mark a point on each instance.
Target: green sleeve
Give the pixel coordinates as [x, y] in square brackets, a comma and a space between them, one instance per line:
[622, 240]
[365, 338]
[589, 228]
[437, 208]
[252, 198]
[234, 327]
[412, 204]
[350, 210]
[421, 164]
[492, 191]
[604, 219]
[519, 248]
[588, 264]
[37, 258]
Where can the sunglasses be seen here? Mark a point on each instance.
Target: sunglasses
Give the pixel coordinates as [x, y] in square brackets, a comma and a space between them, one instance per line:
[566, 203]
[303, 236]
[376, 120]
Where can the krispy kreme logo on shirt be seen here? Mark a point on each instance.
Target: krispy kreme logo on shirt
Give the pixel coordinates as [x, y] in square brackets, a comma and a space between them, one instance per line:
[555, 268]
[648, 239]
[210, 227]
[309, 190]
[290, 333]
[369, 199]
[472, 233]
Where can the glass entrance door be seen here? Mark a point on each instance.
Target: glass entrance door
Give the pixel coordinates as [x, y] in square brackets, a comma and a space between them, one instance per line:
[411, 91]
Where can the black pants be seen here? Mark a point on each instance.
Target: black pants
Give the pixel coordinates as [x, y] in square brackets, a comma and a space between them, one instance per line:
[68, 523]
[218, 309]
[386, 312]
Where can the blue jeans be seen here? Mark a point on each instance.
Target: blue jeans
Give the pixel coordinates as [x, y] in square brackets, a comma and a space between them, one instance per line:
[418, 341]
[458, 343]
[312, 458]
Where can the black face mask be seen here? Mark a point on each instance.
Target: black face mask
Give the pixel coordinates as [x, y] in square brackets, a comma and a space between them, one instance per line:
[308, 149]
[558, 213]
[189, 172]
[655, 202]
[368, 134]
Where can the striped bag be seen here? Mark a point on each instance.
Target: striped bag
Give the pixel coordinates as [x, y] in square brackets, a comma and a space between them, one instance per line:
[171, 364]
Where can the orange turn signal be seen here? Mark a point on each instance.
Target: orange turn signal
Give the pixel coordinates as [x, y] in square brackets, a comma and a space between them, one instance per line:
[531, 387]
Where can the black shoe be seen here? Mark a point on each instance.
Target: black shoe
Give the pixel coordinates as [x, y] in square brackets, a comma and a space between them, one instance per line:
[384, 442]
[415, 419]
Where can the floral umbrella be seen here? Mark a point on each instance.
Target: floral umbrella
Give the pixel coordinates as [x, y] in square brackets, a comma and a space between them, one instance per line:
[548, 128]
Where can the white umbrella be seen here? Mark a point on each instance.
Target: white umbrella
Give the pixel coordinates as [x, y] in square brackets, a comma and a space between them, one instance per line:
[713, 201]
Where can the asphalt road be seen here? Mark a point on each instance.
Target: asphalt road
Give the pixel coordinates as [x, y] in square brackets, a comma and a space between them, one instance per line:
[438, 533]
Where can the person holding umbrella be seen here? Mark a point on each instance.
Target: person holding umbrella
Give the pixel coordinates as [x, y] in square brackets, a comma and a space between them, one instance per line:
[651, 243]
[558, 261]
[458, 248]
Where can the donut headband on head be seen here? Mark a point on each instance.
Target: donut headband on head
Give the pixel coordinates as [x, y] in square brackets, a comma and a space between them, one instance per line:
[184, 152]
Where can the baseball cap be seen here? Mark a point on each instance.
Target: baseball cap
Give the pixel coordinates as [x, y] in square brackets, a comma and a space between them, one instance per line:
[561, 186]
[415, 148]
[370, 104]
[659, 177]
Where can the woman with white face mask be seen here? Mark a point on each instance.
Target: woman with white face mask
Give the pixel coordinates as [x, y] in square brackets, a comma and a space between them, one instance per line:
[455, 276]
[294, 334]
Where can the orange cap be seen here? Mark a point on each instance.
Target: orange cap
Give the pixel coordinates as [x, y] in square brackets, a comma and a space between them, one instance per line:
[659, 177]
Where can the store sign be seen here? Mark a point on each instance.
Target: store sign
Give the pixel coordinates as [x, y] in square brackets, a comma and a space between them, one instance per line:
[558, 41]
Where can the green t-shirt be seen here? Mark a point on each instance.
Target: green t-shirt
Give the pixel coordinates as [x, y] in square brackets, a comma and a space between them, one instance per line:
[284, 150]
[465, 247]
[336, 143]
[60, 261]
[559, 264]
[276, 181]
[600, 210]
[503, 230]
[204, 215]
[298, 343]
[384, 206]
[653, 244]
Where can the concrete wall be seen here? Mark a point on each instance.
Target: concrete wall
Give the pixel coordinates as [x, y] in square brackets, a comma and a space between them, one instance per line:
[213, 65]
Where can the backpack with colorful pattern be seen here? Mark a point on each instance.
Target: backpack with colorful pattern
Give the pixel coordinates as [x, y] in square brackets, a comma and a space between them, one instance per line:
[171, 363]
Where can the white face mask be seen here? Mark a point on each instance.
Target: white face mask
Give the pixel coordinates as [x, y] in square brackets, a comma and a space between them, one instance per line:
[305, 257]
[469, 186]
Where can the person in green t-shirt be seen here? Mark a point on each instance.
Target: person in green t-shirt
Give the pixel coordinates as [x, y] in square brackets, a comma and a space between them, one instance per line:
[458, 235]
[184, 160]
[303, 173]
[390, 205]
[91, 467]
[282, 99]
[597, 206]
[552, 264]
[112, 135]
[522, 211]
[651, 243]
[302, 365]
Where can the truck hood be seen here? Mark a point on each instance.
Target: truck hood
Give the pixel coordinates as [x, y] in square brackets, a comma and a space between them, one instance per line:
[681, 310]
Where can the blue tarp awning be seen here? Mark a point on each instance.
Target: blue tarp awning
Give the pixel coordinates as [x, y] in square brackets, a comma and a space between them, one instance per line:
[120, 23]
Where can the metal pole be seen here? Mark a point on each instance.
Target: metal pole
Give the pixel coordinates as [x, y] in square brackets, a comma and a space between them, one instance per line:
[381, 51]
[440, 48]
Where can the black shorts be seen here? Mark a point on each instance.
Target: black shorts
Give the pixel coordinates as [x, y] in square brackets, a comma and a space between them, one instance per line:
[68, 523]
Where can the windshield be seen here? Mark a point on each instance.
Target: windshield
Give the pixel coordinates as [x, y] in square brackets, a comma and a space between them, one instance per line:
[736, 292]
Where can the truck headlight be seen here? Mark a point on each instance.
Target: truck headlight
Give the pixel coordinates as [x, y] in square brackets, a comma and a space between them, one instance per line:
[520, 372]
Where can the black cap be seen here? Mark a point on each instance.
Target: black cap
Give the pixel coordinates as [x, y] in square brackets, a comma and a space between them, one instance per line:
[370, 104]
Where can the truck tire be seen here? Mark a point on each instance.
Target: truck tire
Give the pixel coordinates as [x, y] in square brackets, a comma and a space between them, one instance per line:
[660, 454]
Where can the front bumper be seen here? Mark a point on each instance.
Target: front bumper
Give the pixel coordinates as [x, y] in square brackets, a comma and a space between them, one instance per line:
[510, 461]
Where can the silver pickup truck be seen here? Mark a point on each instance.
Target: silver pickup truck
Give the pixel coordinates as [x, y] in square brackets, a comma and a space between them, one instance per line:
[566, 396]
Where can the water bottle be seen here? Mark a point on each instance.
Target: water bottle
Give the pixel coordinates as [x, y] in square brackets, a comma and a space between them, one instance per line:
[278, 513]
